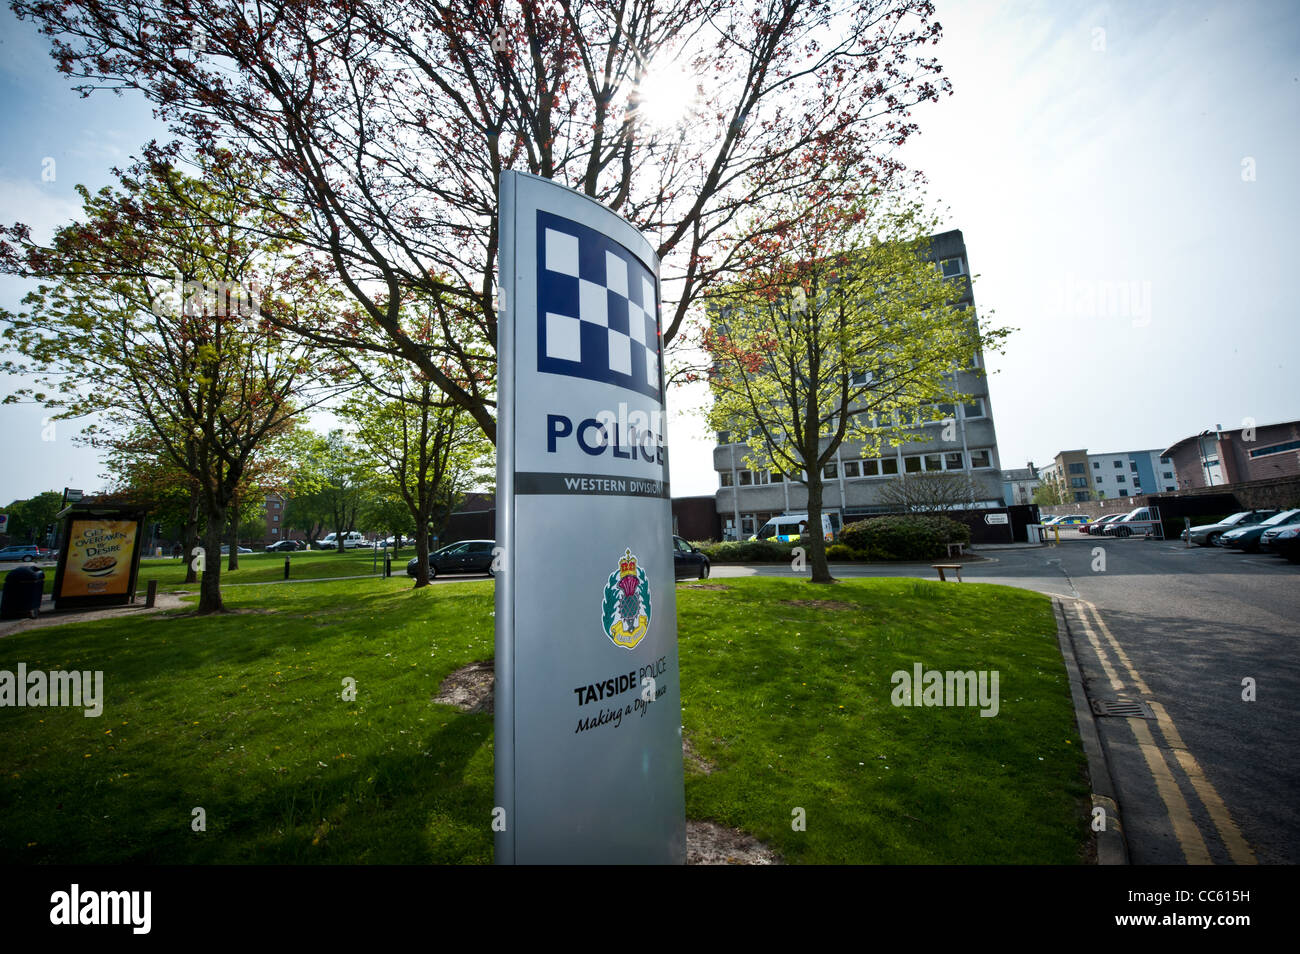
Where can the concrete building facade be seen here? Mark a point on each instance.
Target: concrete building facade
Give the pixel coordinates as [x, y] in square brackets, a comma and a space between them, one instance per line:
[854, 480]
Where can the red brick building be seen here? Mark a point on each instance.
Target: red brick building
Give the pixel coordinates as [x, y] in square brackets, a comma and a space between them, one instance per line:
[1217, 457]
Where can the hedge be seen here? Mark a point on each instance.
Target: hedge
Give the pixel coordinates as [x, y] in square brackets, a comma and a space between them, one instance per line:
[903, 536]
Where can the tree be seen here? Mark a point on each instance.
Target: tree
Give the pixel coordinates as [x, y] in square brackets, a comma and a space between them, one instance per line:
[30, 520]
[428, 448]
[1048, 494]
[387, 124]
[343, 472]
[140, 470]
[840, 329]
[160, 318]
[930, 492]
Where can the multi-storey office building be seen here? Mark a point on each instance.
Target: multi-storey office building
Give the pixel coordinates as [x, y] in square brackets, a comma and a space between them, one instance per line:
[855, 480]
[1080, 476]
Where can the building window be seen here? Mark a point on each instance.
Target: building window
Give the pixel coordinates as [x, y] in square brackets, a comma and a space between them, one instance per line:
[980, 458]
[851, 468]
[1118, 464]
[889, 466]
[951, 267]
[871, 468]
[953, 460]
[1132, 465]
[975, 408]
[934, 462]
[1276, 449]
[912, 464]
[1076, 468]
[831, 471]
[1120, 478]
[746, 478]
[1123, 493]
[724, 437]
[1100, 479]
[1096, 465]
[1078, 481]
[1168, 475]
[1165, 460]
[725, 478]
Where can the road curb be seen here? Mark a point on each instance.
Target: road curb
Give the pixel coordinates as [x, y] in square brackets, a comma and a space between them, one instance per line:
[1112, 848]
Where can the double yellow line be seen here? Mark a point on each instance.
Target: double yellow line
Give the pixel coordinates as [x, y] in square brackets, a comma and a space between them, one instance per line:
[1180, 816]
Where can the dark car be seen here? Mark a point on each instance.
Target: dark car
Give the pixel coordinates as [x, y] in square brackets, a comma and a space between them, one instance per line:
[25, 553]
[1284, 541]
[467, 556]
[689, 563]
[1247, 538]
[1207, 534]
[1099, 526]
[285, 546]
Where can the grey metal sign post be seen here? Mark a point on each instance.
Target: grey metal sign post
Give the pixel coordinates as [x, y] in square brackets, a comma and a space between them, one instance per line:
[588, 707]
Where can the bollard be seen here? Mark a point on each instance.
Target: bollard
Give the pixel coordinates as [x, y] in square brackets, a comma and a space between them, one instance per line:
[150, 594]
[388, 564]
[286, 566]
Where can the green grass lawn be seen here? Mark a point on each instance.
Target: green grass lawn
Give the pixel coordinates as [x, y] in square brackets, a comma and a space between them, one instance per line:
[242, 715]
[266, 568]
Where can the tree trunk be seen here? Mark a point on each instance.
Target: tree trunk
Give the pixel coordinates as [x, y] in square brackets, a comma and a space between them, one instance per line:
[210, 582]
[190, 537]
[816, 543]
[232, 538]
[421, 555]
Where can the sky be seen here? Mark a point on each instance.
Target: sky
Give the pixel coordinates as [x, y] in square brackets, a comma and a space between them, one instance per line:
[1124, 175]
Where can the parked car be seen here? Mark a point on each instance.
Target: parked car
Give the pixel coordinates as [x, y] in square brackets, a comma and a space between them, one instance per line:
[1066, 520]
[467, 556]
[286, 546]
[1283, 540]
[352, 540]
[25, 553]
[1140, 520]
[1247, 538]
[1098, 527]
[689, 563]
[226, 549]
[1207, 534]
[1073, 520]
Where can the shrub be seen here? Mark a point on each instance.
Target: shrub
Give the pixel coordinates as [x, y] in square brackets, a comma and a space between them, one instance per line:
[905, 536]
[748, 551]
[838, 551]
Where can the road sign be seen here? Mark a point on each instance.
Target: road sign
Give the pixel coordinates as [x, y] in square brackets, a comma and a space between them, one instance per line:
[588, 746]
[996, 518]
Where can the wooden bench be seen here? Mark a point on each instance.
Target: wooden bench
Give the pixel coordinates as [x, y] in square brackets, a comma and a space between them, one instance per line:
[946, 566]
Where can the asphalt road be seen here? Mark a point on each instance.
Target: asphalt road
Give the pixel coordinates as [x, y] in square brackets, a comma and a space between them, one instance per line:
[1209, 777]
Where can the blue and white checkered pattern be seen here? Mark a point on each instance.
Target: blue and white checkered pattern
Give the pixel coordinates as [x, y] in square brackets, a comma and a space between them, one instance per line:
[597, 313]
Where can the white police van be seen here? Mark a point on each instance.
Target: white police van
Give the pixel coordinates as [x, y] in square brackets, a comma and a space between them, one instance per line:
[790, 527]
[351, 541]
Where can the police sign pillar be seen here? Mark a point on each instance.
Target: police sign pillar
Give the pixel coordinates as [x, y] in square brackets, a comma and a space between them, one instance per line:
[588, 707]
